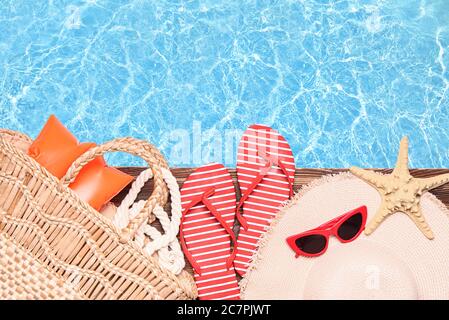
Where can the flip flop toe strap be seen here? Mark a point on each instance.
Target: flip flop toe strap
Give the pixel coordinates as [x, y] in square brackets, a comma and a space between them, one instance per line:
[248, 192]
[204, 199]
[270, 161]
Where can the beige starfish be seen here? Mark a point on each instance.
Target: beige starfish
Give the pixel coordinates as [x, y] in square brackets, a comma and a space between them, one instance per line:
[400, 191]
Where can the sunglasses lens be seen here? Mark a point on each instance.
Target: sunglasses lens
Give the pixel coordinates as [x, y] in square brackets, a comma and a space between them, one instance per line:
[312, 244]
[350, 227]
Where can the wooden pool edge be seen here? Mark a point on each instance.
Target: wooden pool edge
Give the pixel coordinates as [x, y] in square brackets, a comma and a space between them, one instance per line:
[303, 176]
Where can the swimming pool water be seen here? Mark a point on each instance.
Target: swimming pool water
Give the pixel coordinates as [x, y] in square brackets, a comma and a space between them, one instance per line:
[343, 81]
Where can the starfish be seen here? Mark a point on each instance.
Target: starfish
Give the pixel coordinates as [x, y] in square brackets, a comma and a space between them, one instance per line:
[400, 191]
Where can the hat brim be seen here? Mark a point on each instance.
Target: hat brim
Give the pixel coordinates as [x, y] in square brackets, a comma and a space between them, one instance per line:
[275, 273]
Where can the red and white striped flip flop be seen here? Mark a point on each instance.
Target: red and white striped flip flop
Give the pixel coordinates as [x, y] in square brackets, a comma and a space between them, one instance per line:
[265, 172]
[208, 204]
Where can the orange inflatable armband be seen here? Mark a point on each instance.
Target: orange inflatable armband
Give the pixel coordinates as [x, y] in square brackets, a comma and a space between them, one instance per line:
[56, 149]
[97, 183]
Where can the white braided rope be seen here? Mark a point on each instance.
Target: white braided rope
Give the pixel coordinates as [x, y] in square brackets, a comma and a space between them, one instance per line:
[122, 216]
[165, 245]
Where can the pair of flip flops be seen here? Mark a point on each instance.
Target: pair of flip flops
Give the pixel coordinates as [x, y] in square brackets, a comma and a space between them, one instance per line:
[265, 173]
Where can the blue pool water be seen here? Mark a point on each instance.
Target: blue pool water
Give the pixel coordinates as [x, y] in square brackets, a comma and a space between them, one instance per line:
[341, 80]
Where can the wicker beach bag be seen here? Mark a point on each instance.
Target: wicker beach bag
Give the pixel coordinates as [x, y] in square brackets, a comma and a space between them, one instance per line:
[78, 250]
[24, 277]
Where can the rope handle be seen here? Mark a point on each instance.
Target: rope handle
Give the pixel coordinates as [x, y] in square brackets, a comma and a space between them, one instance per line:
[136, 147]
[150, 239]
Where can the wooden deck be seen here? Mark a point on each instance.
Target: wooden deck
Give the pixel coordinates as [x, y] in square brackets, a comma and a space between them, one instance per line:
[302, 177]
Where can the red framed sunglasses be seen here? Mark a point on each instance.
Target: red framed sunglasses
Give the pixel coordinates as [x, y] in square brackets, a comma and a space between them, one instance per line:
[345, 228]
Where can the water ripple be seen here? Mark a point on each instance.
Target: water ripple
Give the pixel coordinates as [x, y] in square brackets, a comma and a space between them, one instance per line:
[342, 80]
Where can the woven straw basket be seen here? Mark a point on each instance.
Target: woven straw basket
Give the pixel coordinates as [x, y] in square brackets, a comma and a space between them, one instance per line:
[55, 246]
[24, 277]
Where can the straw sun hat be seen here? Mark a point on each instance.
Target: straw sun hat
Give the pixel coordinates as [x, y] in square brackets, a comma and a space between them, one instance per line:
[395, 262]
